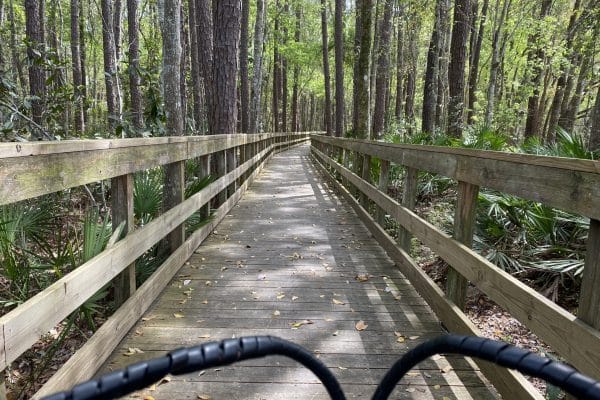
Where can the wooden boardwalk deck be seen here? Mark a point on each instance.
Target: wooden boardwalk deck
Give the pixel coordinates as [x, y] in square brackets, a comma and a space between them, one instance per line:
[288, 253]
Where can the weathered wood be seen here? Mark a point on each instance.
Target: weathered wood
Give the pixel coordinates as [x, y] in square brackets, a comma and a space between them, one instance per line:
[86, 361]
[219, 169]
[464, 226]
[510, 384]
[122, 211]
[173, 195]
[548, 320]
[569, 184]
[409, 200]
[589, 298]
[384, 179]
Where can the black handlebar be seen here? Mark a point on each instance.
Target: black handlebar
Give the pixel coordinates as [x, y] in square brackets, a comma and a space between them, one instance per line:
[213, 354]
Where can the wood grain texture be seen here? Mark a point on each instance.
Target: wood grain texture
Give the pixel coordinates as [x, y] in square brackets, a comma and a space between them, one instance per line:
[589, 298]
[549, 321]
[233, 286]
[509, 383]
[569, 184]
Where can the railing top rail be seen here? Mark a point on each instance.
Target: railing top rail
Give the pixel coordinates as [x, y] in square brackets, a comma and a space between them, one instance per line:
[571, 164]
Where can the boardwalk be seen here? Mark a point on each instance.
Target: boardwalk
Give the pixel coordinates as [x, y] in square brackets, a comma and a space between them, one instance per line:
[290, 261]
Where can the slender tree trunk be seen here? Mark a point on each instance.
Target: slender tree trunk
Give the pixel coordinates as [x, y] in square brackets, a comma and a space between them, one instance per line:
[183, 65]
[2, 51]
[259, 32]
[431, 75]
[456, 69]
[595, 124]
[295, 90]
[361, 130]
[276, 71]
[35, 51]
[474, 64]
[205, 55]
[244, 84]
[441, 113]
[16, 60]
[137, 112]
[326, 71]
[357, 39]
[82, 60]
[383, 70]
[225, 68]
[411, 73]
[535, 58]
[339, 69]
[117, 14]
[570, 115]
[76, 66]
[110, 66]
[399, 70]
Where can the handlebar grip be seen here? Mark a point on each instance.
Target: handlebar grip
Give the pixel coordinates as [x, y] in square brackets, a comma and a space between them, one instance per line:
[500, 353]
[185, 360]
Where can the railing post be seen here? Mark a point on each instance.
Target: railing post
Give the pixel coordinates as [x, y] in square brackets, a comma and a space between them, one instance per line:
[409, 199]
[464, 225]
[173, 195]
[589, 298]
[384, 178]
[122, 211]
[203, 171]
[366, 175]
[219, 169]
[231, 165]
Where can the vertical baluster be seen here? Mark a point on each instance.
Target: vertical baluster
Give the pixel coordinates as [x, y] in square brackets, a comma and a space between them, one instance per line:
[122, 211]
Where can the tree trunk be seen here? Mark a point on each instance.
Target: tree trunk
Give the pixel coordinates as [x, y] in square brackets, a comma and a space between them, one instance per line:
[225, 67]
[16, 60]
[383, 70]
[205, 55]
[595, 124]
[35, 51]
[82, 59]
[474, 64]
[110, 66]
[295, 91]
[326, 71]
[456, 69]
[357, 39]
[399, 70]
[2, 51]
[339, 68]
[567, 120]
[495, 62]
[431, 75]
[361, 130]
[76, 66]
[445, 30]
[244, 84]
[411, 73]
[259, 33]
[276, 71]
[137, 112]
[535, 57]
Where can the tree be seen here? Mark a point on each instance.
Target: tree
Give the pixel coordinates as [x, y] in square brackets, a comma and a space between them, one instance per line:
[431, 75]
[225, 65]
[259, 32]
[295, 90]
[339, 68]
[205, 54]
[456, 69]
[77, 67]
[244, 84]
[35, 51]
[595, 124]
[326, 72]
[110, 64]
[361, 77]
[383, 70]
[399, 68]
[137, 112]
[474, 60]
[195, 66]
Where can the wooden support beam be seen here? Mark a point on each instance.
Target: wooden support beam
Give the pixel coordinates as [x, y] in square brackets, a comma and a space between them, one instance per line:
[219, 169]
[409, 199]
[122, 211]
[173, 193]
[589, 298]
[464, 226]
[384, 179]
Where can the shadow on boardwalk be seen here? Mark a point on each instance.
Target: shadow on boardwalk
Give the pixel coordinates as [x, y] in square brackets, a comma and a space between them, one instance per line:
[289, 253]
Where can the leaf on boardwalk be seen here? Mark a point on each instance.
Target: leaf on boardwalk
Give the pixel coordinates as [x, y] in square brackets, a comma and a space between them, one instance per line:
[361, 277]
[187, 282]
[178, 315]
[164, 380]
[204, 336]
[280, 295]
[208, 283]
[296, 325]
[413, 337]
[338, 302]
[361, 326]
[336, 333]
[133, 350]
[148, 397]
[276, 313]
[149, 318]
[203, 397]
[295, 298]
[446, 369]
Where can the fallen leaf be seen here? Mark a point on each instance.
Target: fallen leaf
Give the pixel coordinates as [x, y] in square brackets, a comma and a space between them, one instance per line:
[362, 277]
[400, 339]
[164, 380]
[335, 333]
[361, 326]
[133, 350]
[203, 397]
[187, 282]
[204, 336]
[205, 302]
[148, 397]
[446, 369]
[149, 318]
[413, 337]
[437, 387]
[338, 302]
[208, 283]
[342, 368]
[276, 313]
[280, 296]
[295, 298]
[296, 325]
[178, 315]
[410, 390]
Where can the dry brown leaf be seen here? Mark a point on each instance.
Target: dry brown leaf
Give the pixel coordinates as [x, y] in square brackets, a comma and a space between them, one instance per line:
[276, 313]
[178, 315]
[203, 397]
[295, 298]
[164, 380]
[361, 326]
[148, 397]
[336, 333]
[362, 277]
[204, 336]
[413, 337]
[149, 318]
[205, 302]
[447, 369]
[280, 296]
[437, 387]
[296, 325]
[338, 302]
[342, 368]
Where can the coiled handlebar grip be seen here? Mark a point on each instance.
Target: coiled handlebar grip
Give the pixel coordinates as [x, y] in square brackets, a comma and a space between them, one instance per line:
[499, 353]
[185, 360]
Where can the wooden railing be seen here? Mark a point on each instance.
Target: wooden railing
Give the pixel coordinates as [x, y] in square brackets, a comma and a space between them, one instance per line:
[28, 170]
[568, 184]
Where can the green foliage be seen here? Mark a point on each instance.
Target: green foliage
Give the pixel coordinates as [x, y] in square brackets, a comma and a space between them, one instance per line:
[147, 195]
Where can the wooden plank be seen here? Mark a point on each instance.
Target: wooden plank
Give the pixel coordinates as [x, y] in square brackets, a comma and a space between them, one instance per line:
[86, 361]
[409, 200]
[173, 195]
[571, 185]
[509, 383]
[589, 298]
[122, 211]
[384, 178]
[464, 226]
[24, 325]
[548, 320]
